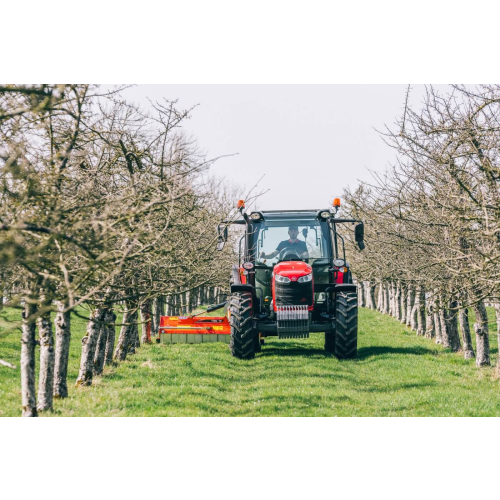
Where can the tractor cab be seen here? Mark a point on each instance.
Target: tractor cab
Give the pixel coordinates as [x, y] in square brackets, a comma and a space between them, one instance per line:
[292, 279]
[296, 264]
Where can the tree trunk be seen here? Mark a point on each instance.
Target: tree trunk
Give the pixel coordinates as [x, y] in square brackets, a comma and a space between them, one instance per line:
[146, 322]
[463, 318]
[397, 301]
[122, 345]
[410, 302]
[437, 319]
[46, 374]
[370, 295]
[390, 288]
[177, 301]
[28, 343]
[443, 326]
[63, 337]
[429, 316]
[386, 298]
[482, 335]
[380, 301]
[361, 294]
[155, 319]
[89, 343]
[394, 302]
[497, 314]
[450, 331]
[102, 342]
[110, 338]
[100, 349]
[420, 300]
[414, 316]
[402, 304]
[133, 333]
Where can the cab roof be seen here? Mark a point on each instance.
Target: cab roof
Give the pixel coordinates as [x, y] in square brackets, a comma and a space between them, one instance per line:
[309, 213]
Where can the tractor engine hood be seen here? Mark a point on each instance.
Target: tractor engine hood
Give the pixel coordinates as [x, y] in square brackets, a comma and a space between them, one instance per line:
[292, 269]
[292, 285]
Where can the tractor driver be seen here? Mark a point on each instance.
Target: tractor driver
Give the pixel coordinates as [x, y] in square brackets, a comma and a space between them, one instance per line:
[292, 244]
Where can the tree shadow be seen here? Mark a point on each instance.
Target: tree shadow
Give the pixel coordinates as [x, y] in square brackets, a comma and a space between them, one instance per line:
[366, 352]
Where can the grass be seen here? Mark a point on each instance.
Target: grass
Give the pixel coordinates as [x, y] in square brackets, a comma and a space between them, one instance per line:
[396, 374]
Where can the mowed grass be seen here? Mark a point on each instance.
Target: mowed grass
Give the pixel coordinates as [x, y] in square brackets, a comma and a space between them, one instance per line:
[396, 374]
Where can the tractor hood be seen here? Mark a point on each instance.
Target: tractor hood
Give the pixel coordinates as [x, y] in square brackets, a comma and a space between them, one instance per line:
[292, 269]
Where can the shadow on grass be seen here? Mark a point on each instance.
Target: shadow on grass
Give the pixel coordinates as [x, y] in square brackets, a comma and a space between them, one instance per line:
[293, 349]
[366, 352]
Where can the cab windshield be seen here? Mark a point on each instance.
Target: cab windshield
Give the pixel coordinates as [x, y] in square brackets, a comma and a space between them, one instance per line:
[275, 241]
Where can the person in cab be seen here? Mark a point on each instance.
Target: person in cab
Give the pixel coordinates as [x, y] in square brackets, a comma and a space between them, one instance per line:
[298, 246]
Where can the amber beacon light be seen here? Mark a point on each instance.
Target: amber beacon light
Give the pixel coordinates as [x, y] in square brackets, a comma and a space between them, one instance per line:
[240, 204]
[336, 202]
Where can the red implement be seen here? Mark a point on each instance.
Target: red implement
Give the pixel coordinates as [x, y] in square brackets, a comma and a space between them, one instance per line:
[194, 330]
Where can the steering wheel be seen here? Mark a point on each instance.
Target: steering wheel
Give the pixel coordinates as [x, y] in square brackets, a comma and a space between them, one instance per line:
[288, 254]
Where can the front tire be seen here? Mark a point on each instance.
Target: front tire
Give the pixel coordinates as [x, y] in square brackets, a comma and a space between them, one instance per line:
[242, 344]
[346, 335]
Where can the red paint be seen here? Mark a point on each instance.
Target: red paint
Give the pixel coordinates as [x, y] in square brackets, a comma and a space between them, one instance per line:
[293, 270]
[208, 325]
[339, 276]
[243, 276]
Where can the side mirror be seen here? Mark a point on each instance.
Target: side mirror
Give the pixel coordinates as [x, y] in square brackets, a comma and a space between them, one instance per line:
[359, 235]
[221, 237]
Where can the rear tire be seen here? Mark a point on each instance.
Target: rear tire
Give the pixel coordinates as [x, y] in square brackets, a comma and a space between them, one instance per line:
[346, 335]
[242, 344]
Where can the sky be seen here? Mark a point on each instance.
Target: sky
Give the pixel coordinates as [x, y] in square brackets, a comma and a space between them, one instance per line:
[305, 143]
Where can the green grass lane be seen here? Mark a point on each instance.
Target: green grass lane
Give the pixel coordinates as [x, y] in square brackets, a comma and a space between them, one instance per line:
[396, 374]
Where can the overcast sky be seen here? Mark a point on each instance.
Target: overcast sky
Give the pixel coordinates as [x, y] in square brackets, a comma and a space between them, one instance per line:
[310, 141]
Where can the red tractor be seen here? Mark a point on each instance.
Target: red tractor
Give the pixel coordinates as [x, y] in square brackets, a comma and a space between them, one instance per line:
[292, 278]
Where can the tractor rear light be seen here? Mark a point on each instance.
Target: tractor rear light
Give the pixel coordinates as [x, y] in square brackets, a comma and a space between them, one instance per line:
[339, 263]
[306, 278]
[248, 265]
[281, 279]
[336, 202]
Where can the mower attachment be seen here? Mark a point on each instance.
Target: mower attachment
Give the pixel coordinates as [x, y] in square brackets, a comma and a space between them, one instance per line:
[194, 329]
[293, 322]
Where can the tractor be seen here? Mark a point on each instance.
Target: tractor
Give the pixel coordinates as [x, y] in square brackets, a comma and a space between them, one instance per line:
[291, 279]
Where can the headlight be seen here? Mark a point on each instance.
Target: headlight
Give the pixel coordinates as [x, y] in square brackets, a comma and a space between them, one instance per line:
[248, 265]
[325, 215]
[306, 278]
[282, 279]
[339, 263]
[255, 216]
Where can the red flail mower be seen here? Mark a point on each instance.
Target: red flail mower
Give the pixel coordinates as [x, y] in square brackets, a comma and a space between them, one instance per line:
[292, 279]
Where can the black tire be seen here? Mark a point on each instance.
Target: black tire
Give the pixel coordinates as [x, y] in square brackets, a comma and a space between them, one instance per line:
[346, 335]
[242, 344]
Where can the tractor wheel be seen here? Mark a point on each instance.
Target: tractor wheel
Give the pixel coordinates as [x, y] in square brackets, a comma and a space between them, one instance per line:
[346, 335]
[242, 344]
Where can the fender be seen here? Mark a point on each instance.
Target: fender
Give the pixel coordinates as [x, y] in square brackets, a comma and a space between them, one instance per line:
[238, 288]
[346, 288]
